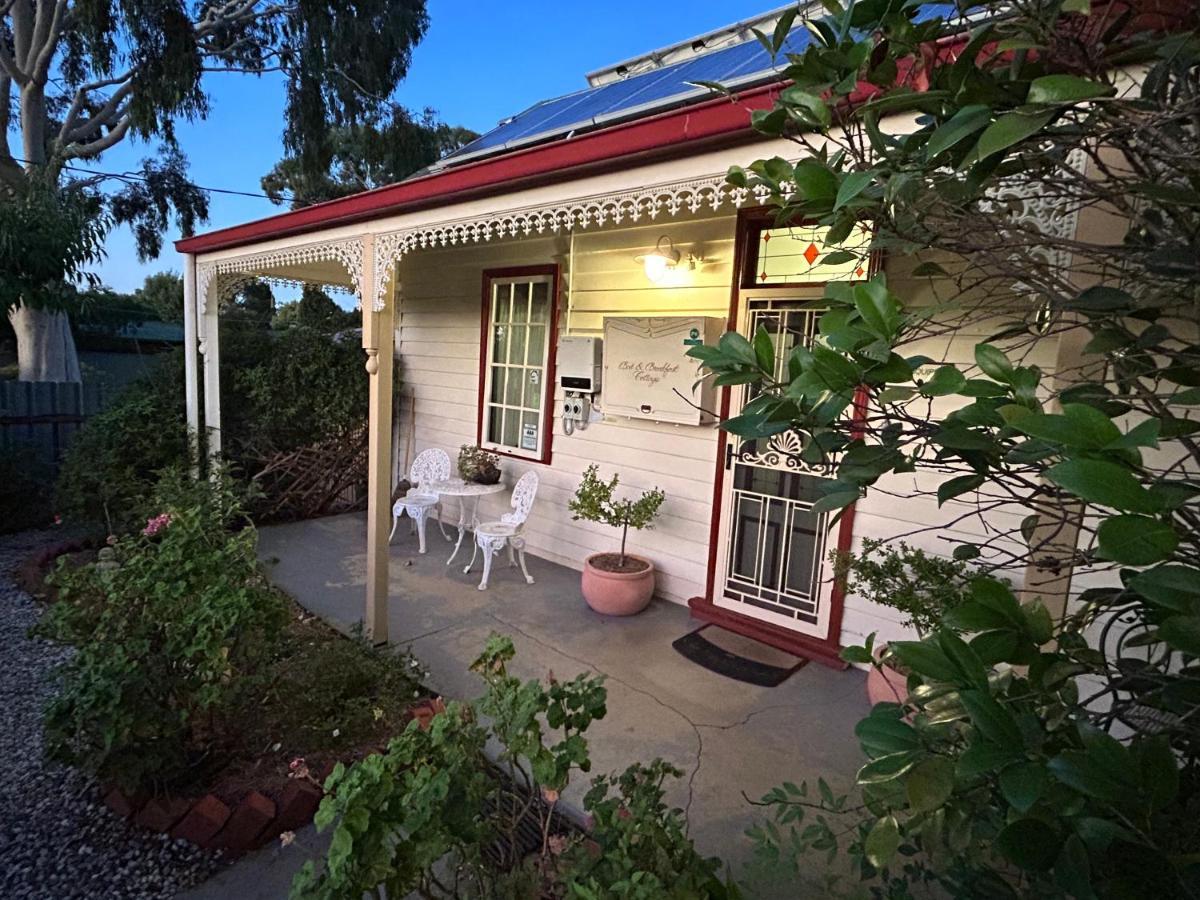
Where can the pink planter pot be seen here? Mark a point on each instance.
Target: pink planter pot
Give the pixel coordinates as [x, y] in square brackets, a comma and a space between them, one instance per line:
[617, 593]
[885, 684]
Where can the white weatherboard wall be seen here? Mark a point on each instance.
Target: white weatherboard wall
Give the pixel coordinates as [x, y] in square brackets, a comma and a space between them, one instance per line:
[438, 331]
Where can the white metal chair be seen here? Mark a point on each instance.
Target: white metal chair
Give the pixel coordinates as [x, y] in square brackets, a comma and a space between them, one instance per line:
[491, 536]
[429, 466]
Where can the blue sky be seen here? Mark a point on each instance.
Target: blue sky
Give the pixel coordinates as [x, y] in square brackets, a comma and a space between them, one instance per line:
[479, 63]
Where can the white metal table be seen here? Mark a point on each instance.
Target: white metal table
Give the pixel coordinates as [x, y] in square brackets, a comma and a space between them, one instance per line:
[468, 494]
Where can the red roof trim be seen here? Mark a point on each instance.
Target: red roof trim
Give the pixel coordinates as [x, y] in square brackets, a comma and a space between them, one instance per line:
[665, 134]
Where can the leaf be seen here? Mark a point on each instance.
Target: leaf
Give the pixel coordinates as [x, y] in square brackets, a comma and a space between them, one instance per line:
[930, 784]
[1029, 843]
[1136, 540]
[993, 363]
[835, 500]
[925, 658]
[852, 185]
[1066, 89]
[888, 768]
[882, 842]
[963, 484]
[983, 757]
[964, 658]
[1182, 633]
[736, 347]
[944, 381]
[1103, 483]
[882, 735]
[1010, 129]
[1174, 586]
[994, 722]
[1023, 785]
[1078, 426]
[960, 126]
[1159, 770]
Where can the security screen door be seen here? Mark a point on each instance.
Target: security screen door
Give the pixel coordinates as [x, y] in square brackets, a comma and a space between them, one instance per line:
[772, 550]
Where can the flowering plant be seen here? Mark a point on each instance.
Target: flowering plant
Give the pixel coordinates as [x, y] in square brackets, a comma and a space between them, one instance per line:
[155, 524]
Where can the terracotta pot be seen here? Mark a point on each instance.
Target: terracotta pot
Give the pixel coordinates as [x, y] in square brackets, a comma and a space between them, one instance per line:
[617, 593]
[885, 684]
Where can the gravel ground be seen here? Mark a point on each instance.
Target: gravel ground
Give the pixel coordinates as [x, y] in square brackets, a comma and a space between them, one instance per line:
[57, 839]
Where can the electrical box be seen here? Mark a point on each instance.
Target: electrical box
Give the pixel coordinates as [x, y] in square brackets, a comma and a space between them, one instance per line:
[578, 364]
[648, 374]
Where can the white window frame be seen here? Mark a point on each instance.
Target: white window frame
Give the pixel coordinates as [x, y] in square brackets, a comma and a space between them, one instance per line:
[545, 389]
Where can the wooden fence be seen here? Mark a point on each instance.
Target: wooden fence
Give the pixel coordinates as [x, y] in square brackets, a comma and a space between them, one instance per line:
[43, 416]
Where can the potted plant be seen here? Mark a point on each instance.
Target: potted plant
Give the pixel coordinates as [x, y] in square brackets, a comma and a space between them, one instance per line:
[478, 465]
[921, 586]
[616, 584]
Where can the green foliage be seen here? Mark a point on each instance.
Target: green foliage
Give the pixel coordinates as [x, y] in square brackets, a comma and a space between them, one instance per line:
[477, 464]
[1035, 755]
[109, 472]
[316, 310]
[387, 147]
[48, 238]
[921, 586]
[162, 292]
[167, 633]
[594, 502]
[282, 390]
[643, 850]
[26, 487]
[433, 816]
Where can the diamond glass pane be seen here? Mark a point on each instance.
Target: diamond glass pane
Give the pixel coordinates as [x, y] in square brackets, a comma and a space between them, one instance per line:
[798, 256]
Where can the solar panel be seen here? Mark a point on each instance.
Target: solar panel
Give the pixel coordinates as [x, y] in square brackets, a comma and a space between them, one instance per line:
[747, 61]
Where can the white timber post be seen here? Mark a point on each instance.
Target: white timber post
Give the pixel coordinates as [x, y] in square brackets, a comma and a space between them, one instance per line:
[379, 343]
[210, 345]
[191, 385]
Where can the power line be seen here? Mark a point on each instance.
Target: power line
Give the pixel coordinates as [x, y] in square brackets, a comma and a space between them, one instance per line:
[130, 176]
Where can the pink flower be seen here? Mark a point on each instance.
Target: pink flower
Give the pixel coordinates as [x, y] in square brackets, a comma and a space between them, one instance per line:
[111, 540]
[156, 524]
[296, 763]
[58, 520]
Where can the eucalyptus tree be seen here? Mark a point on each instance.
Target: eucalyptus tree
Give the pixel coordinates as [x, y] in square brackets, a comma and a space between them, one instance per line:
[78, 77]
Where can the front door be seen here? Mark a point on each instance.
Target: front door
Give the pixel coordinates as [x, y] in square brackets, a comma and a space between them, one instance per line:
[772, 553]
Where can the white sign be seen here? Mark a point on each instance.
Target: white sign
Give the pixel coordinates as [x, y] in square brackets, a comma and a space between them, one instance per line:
[529, 436]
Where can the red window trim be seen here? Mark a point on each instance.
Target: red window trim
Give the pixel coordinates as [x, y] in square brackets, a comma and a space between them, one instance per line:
[489, 275]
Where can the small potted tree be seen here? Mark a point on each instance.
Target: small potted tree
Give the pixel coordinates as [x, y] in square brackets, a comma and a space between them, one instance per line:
[616, 584]
[920, 586]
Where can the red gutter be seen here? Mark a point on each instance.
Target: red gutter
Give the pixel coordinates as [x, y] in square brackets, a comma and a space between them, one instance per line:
[670, 133]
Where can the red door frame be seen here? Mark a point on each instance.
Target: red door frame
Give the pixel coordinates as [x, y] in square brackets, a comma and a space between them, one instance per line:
[703, 608]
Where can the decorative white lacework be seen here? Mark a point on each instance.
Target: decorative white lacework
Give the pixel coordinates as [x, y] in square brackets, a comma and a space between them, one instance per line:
[523, 495]
[430, 465]
[784, 451]
[234, 273]
[632, 205]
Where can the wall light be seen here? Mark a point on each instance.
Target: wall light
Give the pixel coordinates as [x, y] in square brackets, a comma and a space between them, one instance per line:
[661, 260]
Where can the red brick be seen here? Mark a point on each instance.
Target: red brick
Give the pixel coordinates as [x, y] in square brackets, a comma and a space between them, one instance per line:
[297, 805]
[203, 821]
[123, 804]
[163, 812]
[247, 823]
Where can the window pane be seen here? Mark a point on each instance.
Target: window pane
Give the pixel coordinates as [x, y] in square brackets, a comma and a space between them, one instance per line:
[797, 254]
[521, 302]
[499, 342]
[541, 302]
[502, 306]
[530, 432]
[533, 388]
[512, 428]
[494, 420]
[513, 389]
[537, 345]
[497, 394]
[516, 344]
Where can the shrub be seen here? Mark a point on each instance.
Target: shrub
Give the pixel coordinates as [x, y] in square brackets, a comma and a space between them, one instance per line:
[109, 473]
[432, 816]
[168, 633]
[594, 502]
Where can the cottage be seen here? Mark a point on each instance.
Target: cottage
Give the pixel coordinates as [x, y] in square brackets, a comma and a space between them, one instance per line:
[536, 293]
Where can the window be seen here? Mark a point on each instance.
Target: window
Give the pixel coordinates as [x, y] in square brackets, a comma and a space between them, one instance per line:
[516, 382]
[796, 255]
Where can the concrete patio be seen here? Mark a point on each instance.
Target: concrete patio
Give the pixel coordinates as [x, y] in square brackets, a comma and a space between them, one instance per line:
[731, 739]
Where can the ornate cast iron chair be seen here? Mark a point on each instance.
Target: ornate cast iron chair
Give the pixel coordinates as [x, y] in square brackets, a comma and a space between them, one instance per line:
[490, 537]
[430, 466]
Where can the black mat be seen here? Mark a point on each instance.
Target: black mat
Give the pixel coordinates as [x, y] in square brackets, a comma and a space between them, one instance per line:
[695, 647]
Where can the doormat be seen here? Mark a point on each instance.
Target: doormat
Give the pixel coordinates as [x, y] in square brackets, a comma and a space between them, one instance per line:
[738, 657]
